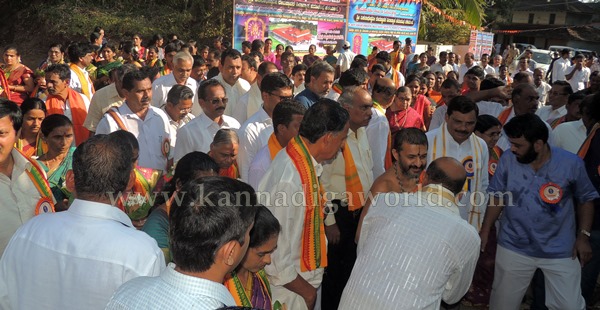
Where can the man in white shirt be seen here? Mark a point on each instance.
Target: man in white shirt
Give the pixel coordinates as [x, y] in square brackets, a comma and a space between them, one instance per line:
[250, 65]
[383, 58]
[559, 96]
[469, 63]
[198, 134]
[20, 200]
[251, 101]
[230, 76]
[209, 238]
[344, 59]
[541, 86]
[560, 67]
[455, 138]
[255, 132]
[442, 65]
[523, 66]
[181, 75]
[148, 124]
[414, 257]
[76, 259]
[287, 117]
[107, 97]
[298, 76]
[179, 105]
[484, 63]
[378, 130]
[578, 75]
[81, 57]
[570, 135]
[296, 271]
[497, 64]
[346, 180]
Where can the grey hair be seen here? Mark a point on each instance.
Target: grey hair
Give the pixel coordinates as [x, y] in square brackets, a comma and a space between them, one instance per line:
[347, 96]
[183, 56]
[226, 136]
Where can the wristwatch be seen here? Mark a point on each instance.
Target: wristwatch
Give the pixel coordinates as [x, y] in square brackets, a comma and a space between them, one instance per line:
[585, 232]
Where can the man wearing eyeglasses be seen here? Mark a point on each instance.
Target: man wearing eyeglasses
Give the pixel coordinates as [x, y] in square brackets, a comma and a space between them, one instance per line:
[558, 98]
[198, 134]
[255, 132]
[181, 75]
[179, 106]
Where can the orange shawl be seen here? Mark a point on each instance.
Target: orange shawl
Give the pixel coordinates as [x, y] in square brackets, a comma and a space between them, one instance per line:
[274, 146]
[55, 104]
[230, 172]
[586, 144]
[86, 82]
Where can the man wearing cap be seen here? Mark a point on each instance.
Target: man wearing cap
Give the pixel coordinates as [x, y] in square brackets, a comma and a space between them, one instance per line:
[345, 59]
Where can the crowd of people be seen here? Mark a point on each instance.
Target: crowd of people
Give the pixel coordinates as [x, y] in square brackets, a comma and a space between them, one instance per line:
[167, 175]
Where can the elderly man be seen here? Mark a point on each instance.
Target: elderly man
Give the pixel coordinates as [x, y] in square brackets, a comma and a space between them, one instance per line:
[378, 130]
[469, 62]
[559, 96]
[76, 259]
[198, 134]
[181, 75]
[297, 266]
[541, 86]
[396, 246]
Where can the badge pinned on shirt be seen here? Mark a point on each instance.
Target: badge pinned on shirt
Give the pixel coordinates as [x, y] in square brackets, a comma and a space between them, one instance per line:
[492, 165]
[551, 193]
[166, 147]
[44, 205]
[469, 166]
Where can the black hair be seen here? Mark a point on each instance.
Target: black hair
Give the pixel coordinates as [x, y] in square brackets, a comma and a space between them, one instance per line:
[299, 67]
[205, 85]
[411, 135]
[231, 53]
[251, 61]
[132, 77]
[376, 67]
[321, 118]
[491, 82]
[463, 105]
[32, 104]
[284, 112]
[178, 93]
[198, 61]
[529, 126]
[353, 77]
[476, 71]
[274, 81]
[63, 71]
[265, 227]
[485, 122]
[52, 122]
[78, 50]
[11, 109]
[262, 69]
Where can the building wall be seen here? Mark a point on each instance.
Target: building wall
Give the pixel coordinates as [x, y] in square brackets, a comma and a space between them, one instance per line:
[539, 17]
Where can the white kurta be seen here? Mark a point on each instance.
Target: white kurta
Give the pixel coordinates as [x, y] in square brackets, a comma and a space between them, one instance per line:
[560, 69]
[414, 251]
[474, 155]
[234, 93]
[259, 166]
[570, 135]
[377, 134]
[162, 86]
[76, 85]
[198, 134]
[542, 91]
[254, 134]
[547, 114]
[282, 192]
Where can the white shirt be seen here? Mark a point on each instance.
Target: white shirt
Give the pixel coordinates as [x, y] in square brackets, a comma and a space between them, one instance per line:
[254, 134]
[248, 104]
[389, 74]
[75, 259]
[282, 181]
[234, 93]
[171, 290]
[104, 99]
[580, 78]
[474, 148]
[504, 143]
[176, 125]
[542, 91]
[437, 67]
[76, 85]
[18, 200]
[560, 69]
[377, 134]
[485, 108]
[462, 70]
[259, 166]
[570, 135]
[152, 133]
[488, 69]
[345, 59]
[526, 71]
[412, 258]
[162, 86]
[546, 113]
[198, 134]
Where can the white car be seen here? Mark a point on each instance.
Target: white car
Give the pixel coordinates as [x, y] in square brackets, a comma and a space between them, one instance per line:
[542, 59]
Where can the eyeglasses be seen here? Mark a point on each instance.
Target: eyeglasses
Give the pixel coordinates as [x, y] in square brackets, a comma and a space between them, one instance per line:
[216, 101]
[282, 98]
[494, 134]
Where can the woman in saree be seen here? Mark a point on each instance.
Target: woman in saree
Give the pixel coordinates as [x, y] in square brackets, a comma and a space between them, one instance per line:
[278, 52]
[248, 283]
[57, 132]
[310, 58]
[419, 102]
[56, 55]
[18, 77]
[223, 150]
[190, 167]
[29, 137]
[152, 60]
[109, 53]
[129, 55]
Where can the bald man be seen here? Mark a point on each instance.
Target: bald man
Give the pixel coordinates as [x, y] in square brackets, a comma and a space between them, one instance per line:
[393, 235]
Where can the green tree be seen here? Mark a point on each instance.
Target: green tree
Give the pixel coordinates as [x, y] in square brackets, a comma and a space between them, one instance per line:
[470, 11]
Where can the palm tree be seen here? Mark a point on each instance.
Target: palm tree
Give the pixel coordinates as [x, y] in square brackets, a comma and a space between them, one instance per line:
[470, 11]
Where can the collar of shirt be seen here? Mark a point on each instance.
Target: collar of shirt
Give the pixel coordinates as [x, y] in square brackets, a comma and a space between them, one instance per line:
[186, 119]
[20, 163]
[263, 117]
[125, 111]
[196, 286]
[207, 122]
[169, 79]
[99, 210]
[443, 197]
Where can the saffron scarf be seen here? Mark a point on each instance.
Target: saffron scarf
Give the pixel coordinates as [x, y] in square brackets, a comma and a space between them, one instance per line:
[4, 84]
[36, 175]
[230, 172]
[503, 116]
[313, 245]
[472, 165]
[387, 159]
[261, 291]
[353, 185]
[85, 81]
[586, 144]
[274, 146]
[557, 121]
[495, 154]
[55, 104]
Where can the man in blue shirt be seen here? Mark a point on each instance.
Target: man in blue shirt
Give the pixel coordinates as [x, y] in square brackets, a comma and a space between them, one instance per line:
[319, 79]
[536, 186]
